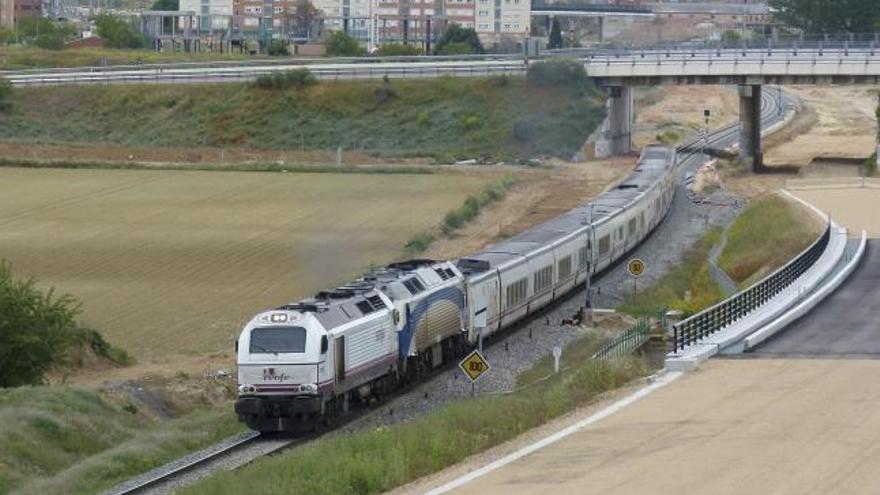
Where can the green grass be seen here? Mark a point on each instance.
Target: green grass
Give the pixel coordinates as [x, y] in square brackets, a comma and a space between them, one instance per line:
[377, 460]
[444, 118]
[66, 440]
[769, 233]
[467, 212]
[18, 57]
[578, 351]
[687, 287]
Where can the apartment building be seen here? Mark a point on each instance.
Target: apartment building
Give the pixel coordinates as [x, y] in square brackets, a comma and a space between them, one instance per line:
[7, 14]
[210, 15]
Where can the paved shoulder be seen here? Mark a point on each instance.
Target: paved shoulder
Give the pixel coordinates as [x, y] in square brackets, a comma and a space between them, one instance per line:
[846, 324]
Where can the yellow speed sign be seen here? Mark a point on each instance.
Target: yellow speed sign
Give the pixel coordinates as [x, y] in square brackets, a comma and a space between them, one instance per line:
[636, 267]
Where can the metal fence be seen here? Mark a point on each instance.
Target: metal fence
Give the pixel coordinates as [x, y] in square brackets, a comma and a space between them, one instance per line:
[625, 343]
[734, 308]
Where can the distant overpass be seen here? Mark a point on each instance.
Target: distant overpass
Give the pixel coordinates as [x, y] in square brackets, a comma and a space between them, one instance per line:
[591, 10]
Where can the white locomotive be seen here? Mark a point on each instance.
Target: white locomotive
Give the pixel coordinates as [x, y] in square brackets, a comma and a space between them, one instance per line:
[308, 360]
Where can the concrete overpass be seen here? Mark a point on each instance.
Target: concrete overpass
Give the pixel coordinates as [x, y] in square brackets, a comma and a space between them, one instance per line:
[747, 69]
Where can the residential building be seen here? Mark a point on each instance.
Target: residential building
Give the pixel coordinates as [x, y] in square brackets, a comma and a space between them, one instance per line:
[210, 15]
[7, 14]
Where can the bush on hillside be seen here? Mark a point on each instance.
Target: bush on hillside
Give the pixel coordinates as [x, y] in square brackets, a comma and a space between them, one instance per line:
[39, 332]
[296, 78]
[118, 32]
[340, 44]
[559, 73]
[398, 50]
[458, 36]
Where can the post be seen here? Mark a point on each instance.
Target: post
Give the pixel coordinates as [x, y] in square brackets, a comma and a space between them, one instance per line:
[620, 114]
[750, 125]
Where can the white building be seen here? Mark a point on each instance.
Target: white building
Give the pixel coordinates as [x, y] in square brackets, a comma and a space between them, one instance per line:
[211, 15]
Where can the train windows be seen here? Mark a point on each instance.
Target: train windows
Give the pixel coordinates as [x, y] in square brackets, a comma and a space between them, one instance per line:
[620, 233]
[564, 268]
[582, 256]
[543, 278]
[632, 226]
[604, 245]
[516, 291]
[642, 220]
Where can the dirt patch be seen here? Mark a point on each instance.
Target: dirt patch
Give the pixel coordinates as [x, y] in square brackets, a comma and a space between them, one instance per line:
[678, 111]
[844, 126]
[540, 196]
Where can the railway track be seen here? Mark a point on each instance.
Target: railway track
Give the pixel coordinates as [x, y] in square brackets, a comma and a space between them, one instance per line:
[252, 445]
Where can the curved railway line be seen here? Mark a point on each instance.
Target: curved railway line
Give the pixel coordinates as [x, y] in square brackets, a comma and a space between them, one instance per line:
[250, 446]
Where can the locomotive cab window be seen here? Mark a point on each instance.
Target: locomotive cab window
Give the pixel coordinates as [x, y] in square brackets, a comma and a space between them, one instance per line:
[278, 340]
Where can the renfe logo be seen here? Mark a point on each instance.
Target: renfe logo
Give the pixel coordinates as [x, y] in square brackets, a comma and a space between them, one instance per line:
[270, 376]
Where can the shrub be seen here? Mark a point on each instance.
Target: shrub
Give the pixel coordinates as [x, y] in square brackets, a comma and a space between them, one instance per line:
[277, 48]
[295, 78]
[340, 44]
[419, 243]
[558, 72]
[118, 33]
[50, 41]
[460, 37]
[471, 122]
[398, 49]
[456, 49]
[39, 332]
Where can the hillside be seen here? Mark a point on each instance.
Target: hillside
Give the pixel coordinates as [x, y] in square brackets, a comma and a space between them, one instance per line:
[446, 119]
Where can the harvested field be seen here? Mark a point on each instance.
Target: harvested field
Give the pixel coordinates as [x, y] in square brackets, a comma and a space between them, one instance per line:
[172, 262]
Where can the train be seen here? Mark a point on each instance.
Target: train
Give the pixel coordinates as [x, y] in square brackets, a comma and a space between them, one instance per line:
[308, 362]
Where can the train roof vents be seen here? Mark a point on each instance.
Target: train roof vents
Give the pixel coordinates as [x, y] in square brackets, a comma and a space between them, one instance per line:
[413, 285]
[301, 307]
[341, 293]
[628, 186]
[370, 304]
[411, 264]
[445, 273]
[474, 265]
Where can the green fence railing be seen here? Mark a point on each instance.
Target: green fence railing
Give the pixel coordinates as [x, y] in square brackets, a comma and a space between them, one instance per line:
[626, 342]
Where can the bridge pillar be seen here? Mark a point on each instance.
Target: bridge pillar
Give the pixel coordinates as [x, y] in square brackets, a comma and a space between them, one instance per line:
[620, 118]
[750, 125]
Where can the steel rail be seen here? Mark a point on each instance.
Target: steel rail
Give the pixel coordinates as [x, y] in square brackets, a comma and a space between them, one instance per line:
[249, 438]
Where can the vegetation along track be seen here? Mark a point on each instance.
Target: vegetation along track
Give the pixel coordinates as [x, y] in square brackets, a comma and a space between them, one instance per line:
[250, 446]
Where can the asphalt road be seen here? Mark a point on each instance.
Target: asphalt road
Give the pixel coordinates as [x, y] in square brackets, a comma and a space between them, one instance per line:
[845, 325]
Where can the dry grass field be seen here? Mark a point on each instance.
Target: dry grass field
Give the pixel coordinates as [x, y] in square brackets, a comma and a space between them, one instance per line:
[170, 263]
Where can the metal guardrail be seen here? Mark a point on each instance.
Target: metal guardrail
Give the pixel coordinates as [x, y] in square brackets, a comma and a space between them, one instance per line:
[736, 307]
[626, 342]
[323, 73]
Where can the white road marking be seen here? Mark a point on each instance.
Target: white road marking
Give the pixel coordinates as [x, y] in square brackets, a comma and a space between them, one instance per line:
[661, 381]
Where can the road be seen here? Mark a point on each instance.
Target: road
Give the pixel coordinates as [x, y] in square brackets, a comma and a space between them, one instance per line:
[844, 325]
[734, 427]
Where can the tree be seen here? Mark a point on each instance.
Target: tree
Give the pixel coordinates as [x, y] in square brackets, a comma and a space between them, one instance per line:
[457, 34]
[36, 330]
[827, 16]
[305, 18]
[555, 35]
[340, 44]
[730, 39]
[118, 33]
[166, 5]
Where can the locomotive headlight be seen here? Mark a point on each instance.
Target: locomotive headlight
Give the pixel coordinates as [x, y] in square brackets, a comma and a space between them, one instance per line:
[242, 389]
[310, 388]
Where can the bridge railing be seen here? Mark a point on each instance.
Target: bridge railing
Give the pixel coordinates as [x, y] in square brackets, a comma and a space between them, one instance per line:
[707, 322]
[626, 342]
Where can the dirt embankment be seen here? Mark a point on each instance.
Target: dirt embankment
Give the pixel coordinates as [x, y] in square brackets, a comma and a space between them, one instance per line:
[669, 113]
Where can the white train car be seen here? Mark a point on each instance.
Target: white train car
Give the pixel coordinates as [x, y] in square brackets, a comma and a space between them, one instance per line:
[307, 360]
[520, 275]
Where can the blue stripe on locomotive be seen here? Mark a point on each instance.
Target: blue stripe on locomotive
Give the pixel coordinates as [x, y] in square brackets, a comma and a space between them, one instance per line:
[415, 315]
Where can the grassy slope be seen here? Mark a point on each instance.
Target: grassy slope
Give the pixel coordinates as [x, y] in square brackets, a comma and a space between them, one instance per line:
[447, 118]
[374, 461]
[66, 440]
[15, 57]
[687, 287]
[764, 237]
